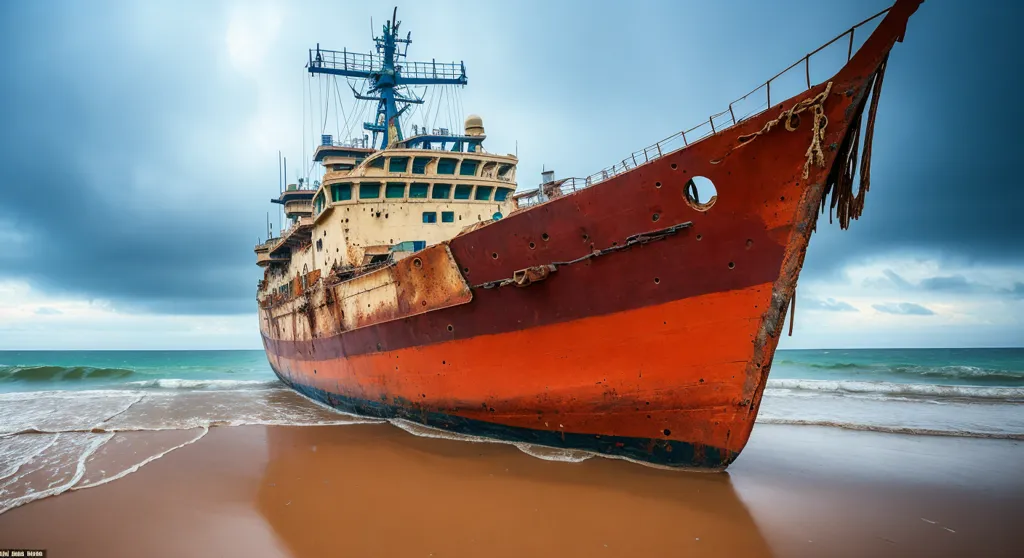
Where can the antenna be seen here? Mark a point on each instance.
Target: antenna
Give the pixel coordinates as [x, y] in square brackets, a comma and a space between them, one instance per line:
[387, 78]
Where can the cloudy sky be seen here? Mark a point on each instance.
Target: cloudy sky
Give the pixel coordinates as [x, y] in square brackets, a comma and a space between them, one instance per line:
[139, 141]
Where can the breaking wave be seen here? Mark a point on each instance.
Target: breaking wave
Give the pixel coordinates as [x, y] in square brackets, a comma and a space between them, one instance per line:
[780, 387]
[58, 373]
[177, 383]
[900, 371]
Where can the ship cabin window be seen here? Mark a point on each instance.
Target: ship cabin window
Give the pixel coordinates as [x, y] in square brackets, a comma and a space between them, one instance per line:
[503, 170]
[419, 245]
[468, 167]
[446, 165]
[441, 191]
[419, 165]
[377, 163]
[447, 216]
[429, 216]
[394, 190]
[418, 190]
[318, 204]
[369, 190]
[501, 194]
[483, 193]
[342, 167]
[463, 191]
[341, 192]
[398, 164]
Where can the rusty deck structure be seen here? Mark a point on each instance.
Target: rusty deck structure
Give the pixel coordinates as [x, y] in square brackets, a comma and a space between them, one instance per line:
[621, 314]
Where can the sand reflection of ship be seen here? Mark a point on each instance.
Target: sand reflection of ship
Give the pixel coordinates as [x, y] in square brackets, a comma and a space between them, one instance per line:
[629, 313]
[356, 491]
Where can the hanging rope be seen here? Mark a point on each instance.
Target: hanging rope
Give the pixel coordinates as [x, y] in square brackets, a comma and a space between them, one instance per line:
[791, 120]
[844, 202]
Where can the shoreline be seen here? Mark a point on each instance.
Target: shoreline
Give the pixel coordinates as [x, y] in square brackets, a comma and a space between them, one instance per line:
[373, 489]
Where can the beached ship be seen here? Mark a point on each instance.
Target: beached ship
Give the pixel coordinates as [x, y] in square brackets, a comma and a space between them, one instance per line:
[629, 313]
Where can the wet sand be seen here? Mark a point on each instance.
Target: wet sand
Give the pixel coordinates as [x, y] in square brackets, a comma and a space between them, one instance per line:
[374, 490]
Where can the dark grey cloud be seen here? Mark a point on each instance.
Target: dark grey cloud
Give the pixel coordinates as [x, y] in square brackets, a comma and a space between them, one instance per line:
[115, 182]
[1017, 291]
[903, 309]
[944, 176]
[945, 284]
[828, 304]
[953, 283]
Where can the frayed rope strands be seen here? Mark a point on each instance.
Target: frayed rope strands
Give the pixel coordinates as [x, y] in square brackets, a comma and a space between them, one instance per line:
[846, 205]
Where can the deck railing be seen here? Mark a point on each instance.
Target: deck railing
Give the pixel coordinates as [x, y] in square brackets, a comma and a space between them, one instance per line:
[714, 124]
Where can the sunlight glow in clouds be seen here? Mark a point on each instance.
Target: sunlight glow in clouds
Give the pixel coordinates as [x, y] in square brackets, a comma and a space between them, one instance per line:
[30, 320]
[252, 31]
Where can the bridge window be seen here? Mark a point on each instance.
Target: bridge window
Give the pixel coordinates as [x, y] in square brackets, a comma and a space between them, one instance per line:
[418, 190]
[446, 166]
[503, 170]
[319, 203]
[429, 216]
[377, 163]
[419, 245]
[398, 164]
[468, 167]
[463, 191]
[341, 192]
[447, 216]
[369, 190]
[419, 165]
[501, 194]
[441, 191]
[394, 190]
[483, 193]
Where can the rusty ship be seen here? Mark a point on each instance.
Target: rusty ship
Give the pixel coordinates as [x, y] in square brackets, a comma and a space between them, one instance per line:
[629, 313]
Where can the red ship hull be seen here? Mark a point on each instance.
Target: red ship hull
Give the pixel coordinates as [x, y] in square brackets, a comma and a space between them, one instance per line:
[655, 349]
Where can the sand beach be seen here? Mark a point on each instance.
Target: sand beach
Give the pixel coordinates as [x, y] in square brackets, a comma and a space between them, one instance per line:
[375, 490]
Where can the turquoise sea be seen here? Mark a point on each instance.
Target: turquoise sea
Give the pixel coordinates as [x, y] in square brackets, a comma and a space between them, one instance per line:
[58, 410]
[84, 370]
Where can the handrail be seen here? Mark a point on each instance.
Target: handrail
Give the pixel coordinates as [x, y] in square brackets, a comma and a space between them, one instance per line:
[713, 125]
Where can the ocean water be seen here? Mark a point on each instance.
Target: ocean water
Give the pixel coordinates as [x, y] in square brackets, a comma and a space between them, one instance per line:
[61, 411]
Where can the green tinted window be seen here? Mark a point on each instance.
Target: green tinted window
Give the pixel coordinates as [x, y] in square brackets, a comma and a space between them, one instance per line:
[377, 163]
[447, 216]
[429, 216]
[463, 191]
[369, 190]
[394, 190]
[441, 191]
[398, 164]
[341, 192]
[483, 193]
[419, 165]
[446, 166]
[501, 194]
[468, 167]
[418, 190]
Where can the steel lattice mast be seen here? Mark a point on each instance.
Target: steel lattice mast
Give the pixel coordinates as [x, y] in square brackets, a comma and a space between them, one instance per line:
[386, 77]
